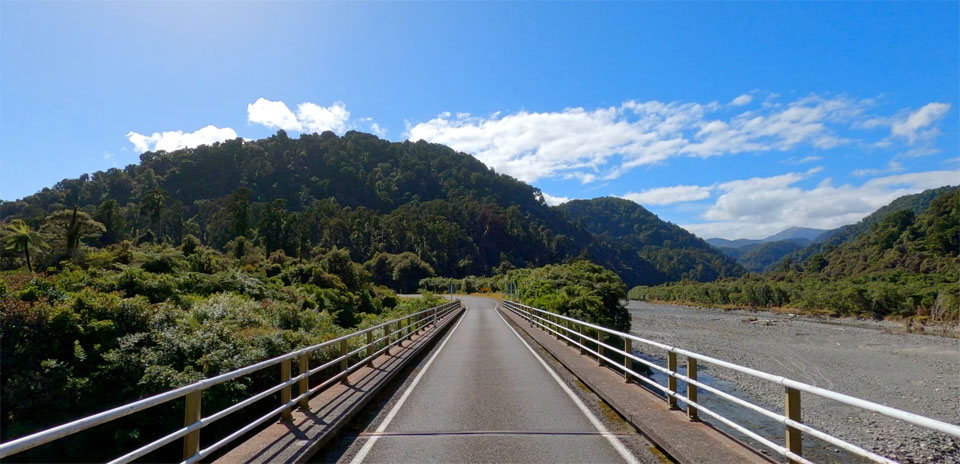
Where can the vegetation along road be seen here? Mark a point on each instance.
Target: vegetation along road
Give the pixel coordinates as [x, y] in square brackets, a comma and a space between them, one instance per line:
[877, 361]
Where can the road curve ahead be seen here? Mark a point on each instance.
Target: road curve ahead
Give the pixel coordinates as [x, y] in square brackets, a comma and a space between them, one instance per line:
[483, 396]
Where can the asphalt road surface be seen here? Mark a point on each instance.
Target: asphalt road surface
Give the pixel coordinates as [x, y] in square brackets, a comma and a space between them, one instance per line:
[485, 395]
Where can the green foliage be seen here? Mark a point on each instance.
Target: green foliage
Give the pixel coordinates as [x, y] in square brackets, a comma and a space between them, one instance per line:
[581, 290]
[132, 321]
[402, 272]
[17, 236]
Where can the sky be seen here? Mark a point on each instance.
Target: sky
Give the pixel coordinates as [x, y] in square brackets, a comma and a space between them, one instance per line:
[733, 120]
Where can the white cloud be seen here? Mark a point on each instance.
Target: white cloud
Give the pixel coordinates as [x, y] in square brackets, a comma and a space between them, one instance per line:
[913, 125]
[669, 195]
[316, 118]
[892, 166]
[273, 114]
[607, 142]
[742, 100]
[759, 207]
[309, 118]
[175, 140]
[809, 159]
[552, 200]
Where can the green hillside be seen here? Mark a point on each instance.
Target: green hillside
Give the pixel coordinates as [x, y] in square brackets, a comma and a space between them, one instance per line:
[904, 264]
[319, 192]
[833, 238]
[676, 253]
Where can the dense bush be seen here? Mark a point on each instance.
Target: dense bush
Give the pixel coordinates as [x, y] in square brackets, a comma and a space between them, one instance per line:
[96, 332]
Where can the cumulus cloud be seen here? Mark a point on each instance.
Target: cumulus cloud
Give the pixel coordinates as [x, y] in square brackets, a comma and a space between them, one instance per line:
[273, 114]
[175, 140]
[916, 125]
[552, 200]
[309, 117]
[742, 100]
[761, 206]
[605, 143]
[669, 195]
[316, 118]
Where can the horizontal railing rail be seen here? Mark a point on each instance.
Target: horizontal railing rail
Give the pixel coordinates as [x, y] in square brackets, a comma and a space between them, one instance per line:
[573, 332]
[393, 332]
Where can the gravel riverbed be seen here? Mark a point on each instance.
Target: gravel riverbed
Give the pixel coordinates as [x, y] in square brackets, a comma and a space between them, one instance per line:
[872, 360]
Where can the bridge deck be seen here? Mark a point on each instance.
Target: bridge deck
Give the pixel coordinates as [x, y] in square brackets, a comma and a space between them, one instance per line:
[486, 393]
[484, 396]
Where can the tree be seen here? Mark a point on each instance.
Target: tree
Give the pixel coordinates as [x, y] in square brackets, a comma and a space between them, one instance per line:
[72, 227]
[271, 228]
[110, 215]
[240, 210]
[17, 235]
[154, 203]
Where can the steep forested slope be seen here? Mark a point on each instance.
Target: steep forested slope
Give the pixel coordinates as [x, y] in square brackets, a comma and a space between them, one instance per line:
[319, 192]
[904, 264]
[676, 253]
[831, 239]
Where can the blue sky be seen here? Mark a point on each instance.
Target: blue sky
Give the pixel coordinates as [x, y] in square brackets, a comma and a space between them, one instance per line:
[731, 119]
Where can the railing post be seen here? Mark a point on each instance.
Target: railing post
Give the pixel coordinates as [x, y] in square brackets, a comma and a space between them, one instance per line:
[627, 362]
[386, 333]
[794, 438]
[580, 337]
[191, 441]
[530, 314]
[672, 379]
[285, 393]
[692, 389]
[566, 332]
[304, 384]
[343, 362]
[370, 348]
[599, 347]
[556, 327]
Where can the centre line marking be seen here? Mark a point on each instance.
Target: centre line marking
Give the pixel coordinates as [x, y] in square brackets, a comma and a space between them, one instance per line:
[614, 441]
[362, 454]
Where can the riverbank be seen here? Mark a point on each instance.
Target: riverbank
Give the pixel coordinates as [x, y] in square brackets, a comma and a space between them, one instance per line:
[873, 360]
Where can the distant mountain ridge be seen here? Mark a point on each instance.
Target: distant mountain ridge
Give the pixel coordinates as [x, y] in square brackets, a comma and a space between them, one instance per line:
[759, 255]
[797, 234]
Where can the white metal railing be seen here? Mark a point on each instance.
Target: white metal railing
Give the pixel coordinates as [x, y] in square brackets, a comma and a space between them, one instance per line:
[572, 330]
[394, 332]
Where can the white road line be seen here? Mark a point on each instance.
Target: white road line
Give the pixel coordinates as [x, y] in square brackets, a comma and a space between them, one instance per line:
[614, 441]
[362, 454]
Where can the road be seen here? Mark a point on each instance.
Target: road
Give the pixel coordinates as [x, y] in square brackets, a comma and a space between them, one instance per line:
[484, 395]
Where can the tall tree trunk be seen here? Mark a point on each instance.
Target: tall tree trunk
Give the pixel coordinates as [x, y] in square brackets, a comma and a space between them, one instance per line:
[26, 254]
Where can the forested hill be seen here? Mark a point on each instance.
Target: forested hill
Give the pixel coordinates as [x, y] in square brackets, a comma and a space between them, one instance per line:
[676, 253]
[321, 191]
[916, 203]
[924, 243]
[904, 264]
